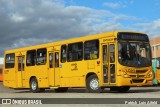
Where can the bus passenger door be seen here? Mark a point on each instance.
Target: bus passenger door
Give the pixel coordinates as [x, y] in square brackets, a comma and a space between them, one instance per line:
[51, 78]
[53, 73]
[108, 57]
[105, 63]
[20, 70]
[112, 69]
[56, 68]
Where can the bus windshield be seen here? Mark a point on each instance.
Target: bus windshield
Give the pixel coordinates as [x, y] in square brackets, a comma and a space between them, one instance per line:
[134, 54]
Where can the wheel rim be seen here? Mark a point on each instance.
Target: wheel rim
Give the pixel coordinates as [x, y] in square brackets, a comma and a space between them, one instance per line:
[94, 84]
[34, 85]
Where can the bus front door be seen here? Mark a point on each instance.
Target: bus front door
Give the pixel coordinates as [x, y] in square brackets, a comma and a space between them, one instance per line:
[53, 74]
[56, 68]
[19, 71]
[108, 57]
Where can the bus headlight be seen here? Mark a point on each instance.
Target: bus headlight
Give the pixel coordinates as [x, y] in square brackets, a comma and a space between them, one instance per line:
[150, 74]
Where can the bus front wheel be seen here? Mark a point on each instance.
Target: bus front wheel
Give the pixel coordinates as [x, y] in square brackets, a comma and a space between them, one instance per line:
[34, 85]
[92, 84]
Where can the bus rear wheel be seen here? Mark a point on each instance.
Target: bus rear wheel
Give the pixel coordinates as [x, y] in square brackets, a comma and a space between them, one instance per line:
[61, 89]
[92, 84]
[34, 86]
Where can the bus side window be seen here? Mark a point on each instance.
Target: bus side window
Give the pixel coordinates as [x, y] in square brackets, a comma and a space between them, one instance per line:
[41, 56]
[20, 63]
[112, 54]
[93, 55]
[63, 53]
[91, 49]
[75, 52]
[50, 60]
[9, 60]
[56, 59]
[31, 58]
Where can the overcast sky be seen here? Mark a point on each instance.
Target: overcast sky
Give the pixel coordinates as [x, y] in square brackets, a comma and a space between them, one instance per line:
[30, 22]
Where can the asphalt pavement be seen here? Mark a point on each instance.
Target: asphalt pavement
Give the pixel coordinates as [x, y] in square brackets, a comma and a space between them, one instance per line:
[73, 93]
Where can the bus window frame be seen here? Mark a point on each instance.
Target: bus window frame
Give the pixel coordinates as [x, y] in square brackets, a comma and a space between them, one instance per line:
[21, 66]
[34, 59]
[98, 49]
[75, 52]
[13, 60]
[61, 57]
[45, 56]
[56, 61]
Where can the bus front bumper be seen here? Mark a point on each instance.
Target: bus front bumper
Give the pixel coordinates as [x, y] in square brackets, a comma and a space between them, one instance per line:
[135, 82]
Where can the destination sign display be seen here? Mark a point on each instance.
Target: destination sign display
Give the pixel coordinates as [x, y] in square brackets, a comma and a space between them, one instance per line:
[132, 36]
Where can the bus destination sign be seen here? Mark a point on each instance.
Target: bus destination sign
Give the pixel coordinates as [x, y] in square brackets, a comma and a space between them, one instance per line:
[133, 37]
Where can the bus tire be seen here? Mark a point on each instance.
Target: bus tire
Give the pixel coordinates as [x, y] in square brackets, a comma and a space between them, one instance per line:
[123, 89]
[34, 86]
[92, 84]
[61, 89]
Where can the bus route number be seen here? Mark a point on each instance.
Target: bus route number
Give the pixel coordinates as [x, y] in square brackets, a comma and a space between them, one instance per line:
[74, 66]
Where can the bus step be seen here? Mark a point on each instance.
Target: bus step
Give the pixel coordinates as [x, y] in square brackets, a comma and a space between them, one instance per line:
[54, 87]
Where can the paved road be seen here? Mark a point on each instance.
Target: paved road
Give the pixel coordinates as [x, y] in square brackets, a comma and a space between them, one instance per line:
[135, 92]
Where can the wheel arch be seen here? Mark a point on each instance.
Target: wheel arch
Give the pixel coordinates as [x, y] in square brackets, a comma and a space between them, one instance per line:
[32, 78]
[91, 73]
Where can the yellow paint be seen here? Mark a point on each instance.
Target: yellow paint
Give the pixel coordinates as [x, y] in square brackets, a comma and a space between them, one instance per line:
[158, 75]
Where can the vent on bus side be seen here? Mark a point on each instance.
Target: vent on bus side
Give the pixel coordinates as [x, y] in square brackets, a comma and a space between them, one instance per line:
[137, 76]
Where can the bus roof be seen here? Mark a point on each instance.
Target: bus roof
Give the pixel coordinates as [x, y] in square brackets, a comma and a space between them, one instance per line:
[71, 40]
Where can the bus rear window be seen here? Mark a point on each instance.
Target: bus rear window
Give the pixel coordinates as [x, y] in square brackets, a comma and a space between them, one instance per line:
[9, 60]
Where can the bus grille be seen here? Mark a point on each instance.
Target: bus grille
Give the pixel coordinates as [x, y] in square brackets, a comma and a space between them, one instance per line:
[132, 76]
[137, 80]
[141, 76]
[137, 76]
[141, 71]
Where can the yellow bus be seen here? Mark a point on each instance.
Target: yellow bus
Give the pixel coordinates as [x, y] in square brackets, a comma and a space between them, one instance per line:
[115, 60]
